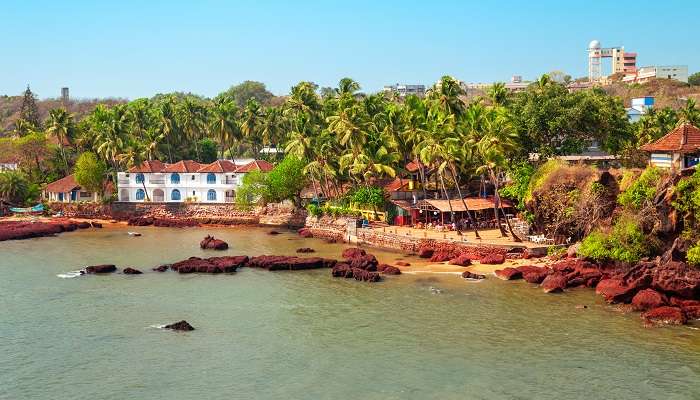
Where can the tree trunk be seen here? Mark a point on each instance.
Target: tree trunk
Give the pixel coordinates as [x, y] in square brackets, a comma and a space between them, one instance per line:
[497, 198]
[421, 172]
[459, 191]
[449, 202]
[496, 205]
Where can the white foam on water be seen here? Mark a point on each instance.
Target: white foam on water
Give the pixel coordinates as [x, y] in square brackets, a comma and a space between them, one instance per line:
[157, 326]
[71, 274]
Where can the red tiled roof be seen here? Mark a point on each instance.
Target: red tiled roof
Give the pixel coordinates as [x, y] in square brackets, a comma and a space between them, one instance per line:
[63, 185]
[396, 185]
[257, 165]
[219, 166]
[413, 166]
[149, 166]
[183, 166]
[683, 139]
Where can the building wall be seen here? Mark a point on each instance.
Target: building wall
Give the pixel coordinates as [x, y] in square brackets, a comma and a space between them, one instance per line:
[192, 187]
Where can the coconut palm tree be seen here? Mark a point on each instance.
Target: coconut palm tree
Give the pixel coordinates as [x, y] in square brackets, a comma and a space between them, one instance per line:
[13, 187]
[690, 113]
[223, 122]
[498, 94]
[60, 125]
[251, 123]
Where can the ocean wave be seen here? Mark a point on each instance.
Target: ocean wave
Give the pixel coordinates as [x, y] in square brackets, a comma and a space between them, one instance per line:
[72, 274]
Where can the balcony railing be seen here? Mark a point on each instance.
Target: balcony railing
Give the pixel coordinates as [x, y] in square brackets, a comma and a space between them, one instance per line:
[230, 181]
[156, 181]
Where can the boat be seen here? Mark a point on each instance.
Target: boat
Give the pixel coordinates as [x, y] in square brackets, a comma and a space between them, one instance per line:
[134, 234]
[36, 209]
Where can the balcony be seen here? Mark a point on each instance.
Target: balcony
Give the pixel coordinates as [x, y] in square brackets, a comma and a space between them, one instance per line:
[230, 181]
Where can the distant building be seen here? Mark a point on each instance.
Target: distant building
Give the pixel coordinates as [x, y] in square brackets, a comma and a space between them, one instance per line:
[677, 150]
[516, 84]
[404, 90]
[640, 106]
[622, 62]
[67, 190]
[645, 74]
[64, 94]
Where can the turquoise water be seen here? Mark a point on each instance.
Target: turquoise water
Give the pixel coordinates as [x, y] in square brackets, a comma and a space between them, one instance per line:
[305, 335]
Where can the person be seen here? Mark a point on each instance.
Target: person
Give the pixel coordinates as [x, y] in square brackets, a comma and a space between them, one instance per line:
[454, 226]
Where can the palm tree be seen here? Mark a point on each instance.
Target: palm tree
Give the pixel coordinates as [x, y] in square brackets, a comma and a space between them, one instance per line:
[223, 122]
[498, 94]
[193, 118]
[347, 86]
[13, 187]
[690, 113]
[60, 125]
[251, 122]
[167, 123]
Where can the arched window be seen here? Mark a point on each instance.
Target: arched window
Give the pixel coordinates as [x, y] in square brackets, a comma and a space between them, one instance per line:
[158, 195]
[175, 195]
[139, 178]
[140, 194]
[125, 195]
[211, 195]
[211, 178]
[175, 178]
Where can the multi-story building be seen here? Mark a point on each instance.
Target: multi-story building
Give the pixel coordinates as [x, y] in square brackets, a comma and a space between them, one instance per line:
[404, 90]
[185, 180]
[676, 72]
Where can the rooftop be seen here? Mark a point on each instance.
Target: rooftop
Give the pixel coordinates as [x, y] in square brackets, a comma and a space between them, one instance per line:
[220, 166]
[684, 139]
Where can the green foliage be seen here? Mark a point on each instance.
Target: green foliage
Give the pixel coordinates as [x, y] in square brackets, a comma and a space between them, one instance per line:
[642, 191]
[539, 176]
[247, 90]
[207, 151]
[627, 242]
[369, 196]
[286, 180]
[694, 79]
[314, 209]
[90, 172]
[14, 187]
[520, 174]
[694, 255]
[253, 189]
[687, 202]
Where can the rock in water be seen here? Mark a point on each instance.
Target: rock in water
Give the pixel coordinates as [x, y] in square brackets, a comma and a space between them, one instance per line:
[472, 276]
[665, 316]
[391, 270]
[508, 274]
[162, 268]
[100, 269]
[180, 326]
[96, 224]
[305, 250]
[353, 252]
[494, 258]
[210, 242]
[554, 283]
[403, 263]
[647, 299]
[131, 271]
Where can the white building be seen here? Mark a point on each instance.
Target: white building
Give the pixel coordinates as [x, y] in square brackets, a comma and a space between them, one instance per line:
[675, 72]
[404, 90]
[185, 181]
[640, 106]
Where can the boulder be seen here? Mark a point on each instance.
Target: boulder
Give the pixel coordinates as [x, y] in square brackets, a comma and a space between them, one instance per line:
[273, 233]
[100, 269]
[353, 252]
[554, 283]
[305, 250]
[664, 315]
[583, 276]
[367, 262]
[691, 312]
[462, 260]
[493, 258]
[615, 290]
[677, 279]
[442, 256]
[305, 233]
[391, 270]
[508, 274]
[533, 273]
[211, 265]
[83, 225]
[290, 263]
[161, 268]
[180, 326]
[211, 243]
[647, 299]
[425, 252]
[131, 271]
[365, 276]
[403, 264]
[96, 224]
[472, 276]
[341, 270]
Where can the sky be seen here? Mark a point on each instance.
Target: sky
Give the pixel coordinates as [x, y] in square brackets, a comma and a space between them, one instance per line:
[131, 49]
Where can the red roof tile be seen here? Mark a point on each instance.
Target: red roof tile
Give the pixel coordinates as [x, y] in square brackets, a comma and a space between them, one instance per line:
[63, 185]
[413, 166]
[257, 165]
[397, 185]
[183, 166]
[149, 166]
[683, 139]
[219, 166]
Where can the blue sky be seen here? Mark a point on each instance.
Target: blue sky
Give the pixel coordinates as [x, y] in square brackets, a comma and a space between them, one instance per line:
[139, 48]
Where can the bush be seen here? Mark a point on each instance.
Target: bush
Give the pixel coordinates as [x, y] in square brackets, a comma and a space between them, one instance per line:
[254, 189]
[314, 210]
[369, 196]
[627, 242]
[694, 255]
[286, 180]
[642, 191]
[518, 189]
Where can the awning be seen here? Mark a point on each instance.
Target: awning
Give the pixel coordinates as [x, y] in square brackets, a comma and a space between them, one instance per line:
[474, 204]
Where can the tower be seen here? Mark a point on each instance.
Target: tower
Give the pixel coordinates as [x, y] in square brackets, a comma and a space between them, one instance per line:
[64, 94]
[594, 56]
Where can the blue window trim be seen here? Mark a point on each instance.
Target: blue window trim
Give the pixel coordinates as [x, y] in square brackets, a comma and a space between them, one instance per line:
[175, 178]
[211, 178]
[140, 194]
[140, 178]
[211, 195]
[175, 195]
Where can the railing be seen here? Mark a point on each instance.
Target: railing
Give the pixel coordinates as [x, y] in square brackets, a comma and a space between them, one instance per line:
[123, 181]
[230, 181]
[156, 181]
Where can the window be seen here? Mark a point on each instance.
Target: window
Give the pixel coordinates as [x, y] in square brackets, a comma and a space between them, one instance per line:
[211, 178]
[139, 178]
[211, 195]
[175, 195]
[174, 178]
[192, 177]
[85, 194]
[140, 194]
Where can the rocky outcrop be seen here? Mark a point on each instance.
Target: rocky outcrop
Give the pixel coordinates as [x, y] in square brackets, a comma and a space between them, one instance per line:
[131, 271]
[367, 262]
[493, 259]
[365, 276]
[533, 274]
[615, 291]
[290, 263]
[647, 299]
[211, 243]
[100, 269]
[180, 326]
[665, 315]
[442, 256]
[352, 252]
[554, 283]
[83, 225]
[161, 268]
[341, 270]
[16, 230]
[508, 274]
[463, 260]
[387, 269]
[96, 224]
[211, 265]
[677, 279]
[425, 252]
[472, 276]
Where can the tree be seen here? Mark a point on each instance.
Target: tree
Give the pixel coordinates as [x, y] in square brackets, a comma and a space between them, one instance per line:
[29, 111]
[207, 151]
[60, 125]
[690, 113]
[253, 189]
[90, 172]
[14, 187]
[694, 79]
[247, 90]
[286, 180]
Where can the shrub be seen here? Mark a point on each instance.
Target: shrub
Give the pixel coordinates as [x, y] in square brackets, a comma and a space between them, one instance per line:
[641, 191]
[369, 196]
[694, 255]
[594, 246]
[314, 210]
[518, 189]
[626, 242]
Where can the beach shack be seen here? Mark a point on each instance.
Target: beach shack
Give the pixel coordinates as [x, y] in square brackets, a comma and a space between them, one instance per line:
[480, 208]
[67, 190]
[678, 149]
